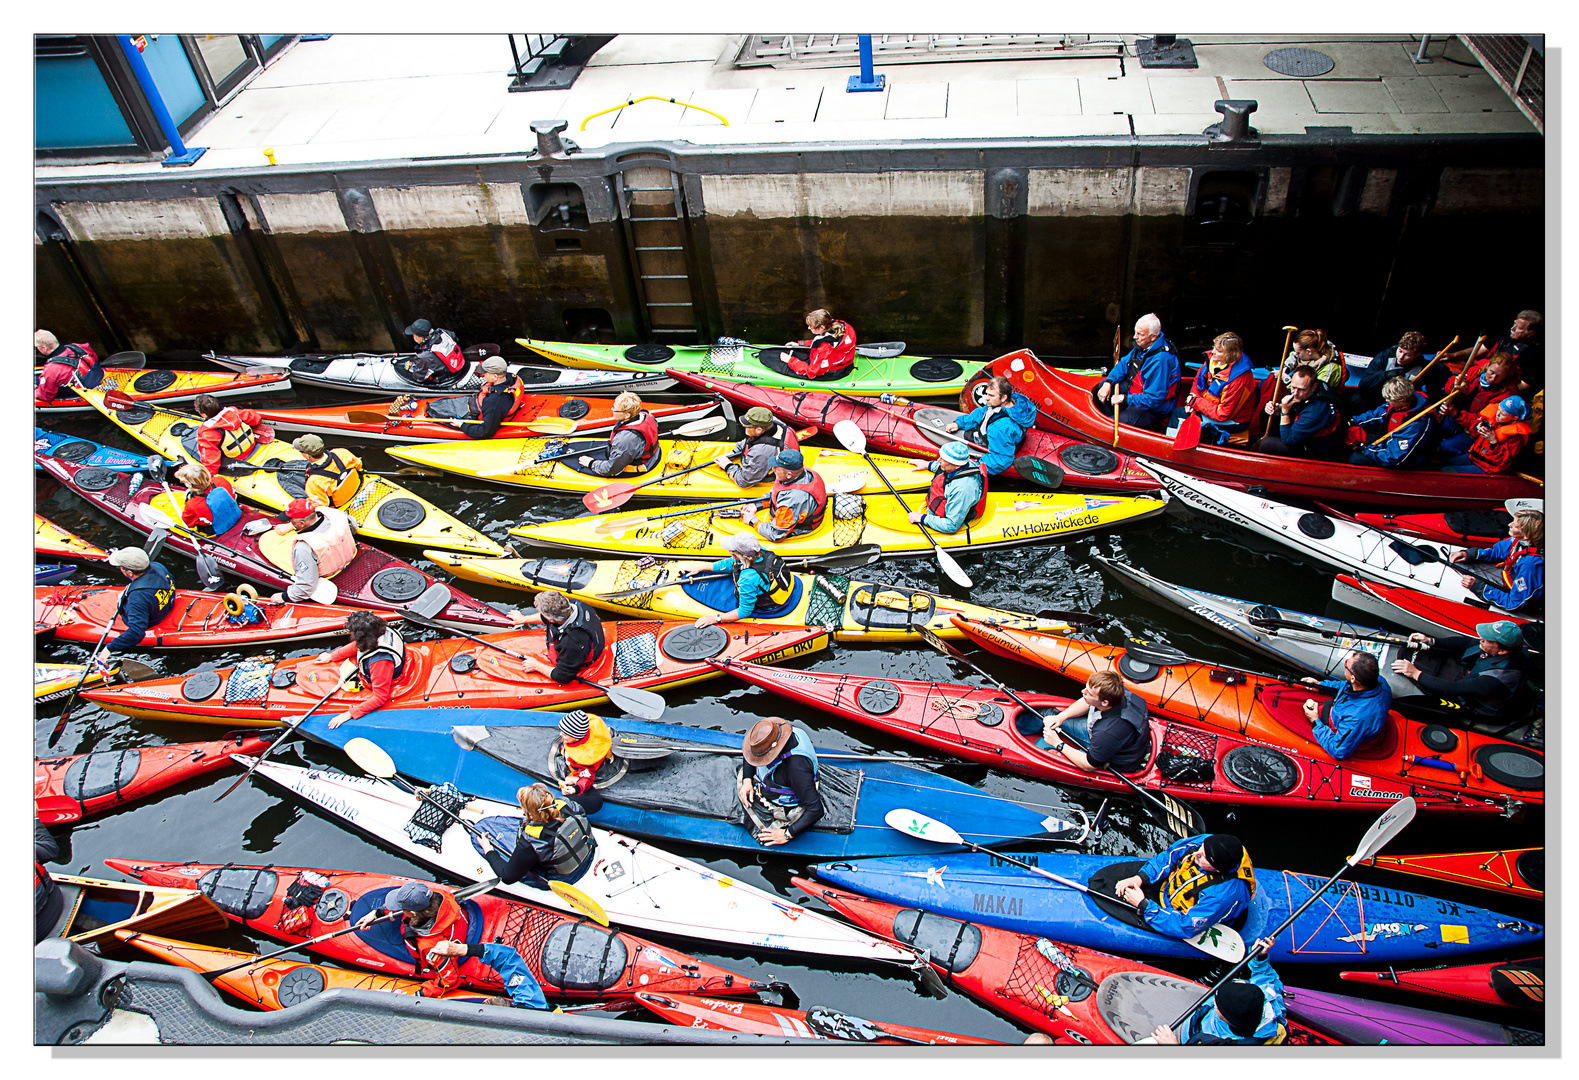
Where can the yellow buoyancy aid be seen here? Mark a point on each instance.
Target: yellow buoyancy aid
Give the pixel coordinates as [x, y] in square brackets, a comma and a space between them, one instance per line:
[1183, 887]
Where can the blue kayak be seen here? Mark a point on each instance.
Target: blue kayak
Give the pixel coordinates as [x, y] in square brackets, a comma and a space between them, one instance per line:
[689, 794]
[1351, 922]
[85, 452]
[51, 573]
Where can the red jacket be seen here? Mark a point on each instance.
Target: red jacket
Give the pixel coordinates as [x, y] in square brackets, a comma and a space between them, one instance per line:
[381, 680]
[1227, 397]
[828, 354]
[59, 368]
[1495, 453]
[230, 435]
[196, 512]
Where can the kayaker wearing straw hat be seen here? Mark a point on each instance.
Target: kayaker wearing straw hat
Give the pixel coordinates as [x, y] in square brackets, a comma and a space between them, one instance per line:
[1196, 882]
[758, 451]
[778, 786]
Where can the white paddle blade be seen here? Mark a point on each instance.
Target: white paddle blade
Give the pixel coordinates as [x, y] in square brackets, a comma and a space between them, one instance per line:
[850, 436]
[325, 592]
[921, 827]
[953, 569]
[152, 517]
[1383, 830]
[434, 599]
[697, 428]
[370, 758]
[1220, 941]
[850, 483]
[468, 736]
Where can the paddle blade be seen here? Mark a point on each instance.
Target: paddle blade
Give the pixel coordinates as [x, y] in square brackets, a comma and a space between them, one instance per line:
[482, 351]
[325, 592]
[861, 555]
[851, 437]
[151, 517]
[370, 758]
[119, 399]
[953, 569]
[155, 544]
[1039, 472]
[209, 573]
[1188, 437]
[130, 358]
[850, 483]
[921, 827]
[369, 416]
[608, 497]
[931, 638]
[551, 425]
[643, 704]
[1220, 941]
[1385, 828]
[468, 736]
[135, 670]
[580, 901]
[434, 599]
[709, 425]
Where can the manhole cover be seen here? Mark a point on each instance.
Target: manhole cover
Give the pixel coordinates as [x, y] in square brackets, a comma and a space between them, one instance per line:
[1302, 63]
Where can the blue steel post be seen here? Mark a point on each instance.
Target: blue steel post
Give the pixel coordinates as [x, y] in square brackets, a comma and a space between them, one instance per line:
[180, 153]
[865, 80]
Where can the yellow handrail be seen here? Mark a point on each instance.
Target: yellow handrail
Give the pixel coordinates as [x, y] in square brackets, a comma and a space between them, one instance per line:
[652, 97]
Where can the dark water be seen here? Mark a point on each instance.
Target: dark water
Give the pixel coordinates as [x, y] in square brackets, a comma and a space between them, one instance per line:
[258, 824]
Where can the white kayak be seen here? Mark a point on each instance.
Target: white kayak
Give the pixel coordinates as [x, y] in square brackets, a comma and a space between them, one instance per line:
[387, 375]
[638, 885]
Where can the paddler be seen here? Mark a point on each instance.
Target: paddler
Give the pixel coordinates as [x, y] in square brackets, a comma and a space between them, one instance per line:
[1108, 724]
[210, 505]
[573, 631]
[226, 433]
[587, 743]
[1311, 424]
[496, 402]
[1223, 394]
[1495, 377]
[761, 581]
[765, 437]
[380, 655]
[1404, 419]
[633, 442]
[1243, 1012]
[333, 476]
[796, 504]
[1152, 370]
[48, 899]
[1487, 675]
[1000, 422]
[1496, 435]
[434, 928]
[63, 365]
[439, 358]
[1197, 882]
[1520, 561]
[554, 840]
[1409, 359]
[778, 785]
[1359, 711]
[831, 347]
[959, 491]
[148, 597]
[325, 544]
[1522, 342]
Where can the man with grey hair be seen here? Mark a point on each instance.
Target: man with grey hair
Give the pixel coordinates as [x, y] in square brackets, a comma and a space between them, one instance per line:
[1144, 380]
[573, 632]
[1523, 342]
[64, 364]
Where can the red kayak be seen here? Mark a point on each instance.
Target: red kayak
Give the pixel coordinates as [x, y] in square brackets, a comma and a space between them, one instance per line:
[898, 429]
[1065, 406]
[199, 620]
[750, 1018]
[1077, 995]
[1430, 614]
[570, 957]
[373, 579]
[1516, 871]
[1518, 984]
[985, 725]
[410, 424]
[1466, 528]
[72, 787]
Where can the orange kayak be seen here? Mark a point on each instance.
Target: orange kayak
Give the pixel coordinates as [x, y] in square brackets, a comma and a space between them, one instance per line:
[51, 540]
[1272, 711]
[1515, 871]
[410, 423]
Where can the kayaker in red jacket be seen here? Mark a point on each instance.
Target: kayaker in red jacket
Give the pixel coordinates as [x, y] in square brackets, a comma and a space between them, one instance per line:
[1488, 382]
[431, 916]
[1499, 432]
[227, 433]
[62, 364]
[832, 348]
[1224, 393]
[380, 655]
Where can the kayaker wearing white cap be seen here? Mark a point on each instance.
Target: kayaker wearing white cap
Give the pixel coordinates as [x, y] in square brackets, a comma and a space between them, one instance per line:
[439, 353]
[147, 599]
[959, 491]
[778, 786]
[796, 504]
[333, 476]
[759, 450]
[760, 579]
[496, 402]
[633, 441]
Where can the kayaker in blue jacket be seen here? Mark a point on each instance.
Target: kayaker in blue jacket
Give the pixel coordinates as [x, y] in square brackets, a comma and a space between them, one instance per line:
[1407, 358]
[958, 493]
[1357, 714]
[759, 580]
[1311, 421]
[1407, 445]
[147, 599]
[1144, 379]
[1518, 559]
[1243, 1012]
[1197, 882]
[1001, 424]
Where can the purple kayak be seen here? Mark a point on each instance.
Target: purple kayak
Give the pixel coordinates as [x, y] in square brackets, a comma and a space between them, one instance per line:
[1363, 1022]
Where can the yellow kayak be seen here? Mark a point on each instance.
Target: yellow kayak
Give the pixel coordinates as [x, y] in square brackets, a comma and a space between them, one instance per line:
[53, 681]
[514, 461]
[380, 510]
[1009, 518]
[854, 610]
[51, 540]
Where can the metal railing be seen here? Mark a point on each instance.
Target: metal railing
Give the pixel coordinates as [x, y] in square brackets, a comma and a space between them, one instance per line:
[836, 50]
[1518, 64]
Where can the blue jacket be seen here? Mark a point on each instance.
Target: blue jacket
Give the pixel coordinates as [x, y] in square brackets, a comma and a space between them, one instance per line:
[1004, 433]
[1318, 413]
[1357, 716]
[1215, 904]
[1377, 372]
[1208, 1028]
[1529, 576]
[1405, 446]
[749, 588]
[147, 599]
[1159, 370]
[222, 510]
[960, 496]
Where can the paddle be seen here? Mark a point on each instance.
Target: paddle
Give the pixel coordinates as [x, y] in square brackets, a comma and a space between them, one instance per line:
[1415, 378]
[845, 485]
[247, 467]
[1220, 941]
[638, 746]
[1166, 656]
[1415, 417]
[708, 425]
[1277, 385]
[1382, 831]
[1286, 624]
[131, 358]
[1188, 435]
[845, 558]
[373, 760]
[208, 570]
[119, 400]
[611, 497]
[546, 425]
[853, 439]
[831, 1024]
[65, 714]
[1178, 817]
[1117, 342]
[1074, 618]
[325, 592]
[1458, 380]
[290, 726]
[639, 703]
[472, 352]
[460, 895]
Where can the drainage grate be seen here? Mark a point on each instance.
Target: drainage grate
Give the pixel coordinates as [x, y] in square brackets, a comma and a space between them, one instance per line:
[1301, 63]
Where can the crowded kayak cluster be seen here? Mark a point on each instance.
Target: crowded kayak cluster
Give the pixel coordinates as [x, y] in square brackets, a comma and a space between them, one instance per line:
[527, 757]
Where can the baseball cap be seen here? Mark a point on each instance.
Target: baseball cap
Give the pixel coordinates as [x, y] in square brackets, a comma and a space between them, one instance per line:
[129, 558]
[790, 459]
[495, 365]
[412, 896]
[421, 326]
[1503, 632]
[300, 509]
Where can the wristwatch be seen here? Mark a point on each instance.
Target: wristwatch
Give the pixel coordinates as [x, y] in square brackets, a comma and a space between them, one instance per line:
[1059, 748]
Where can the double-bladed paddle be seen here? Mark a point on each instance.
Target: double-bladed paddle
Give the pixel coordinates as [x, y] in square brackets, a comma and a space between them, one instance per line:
[543, 425]
[637, 746]
[288, 727]
[611, 497]
[1288, 624]
[695, 429]
[843, 559]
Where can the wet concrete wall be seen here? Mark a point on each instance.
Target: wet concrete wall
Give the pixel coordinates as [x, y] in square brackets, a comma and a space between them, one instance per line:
[950, 249]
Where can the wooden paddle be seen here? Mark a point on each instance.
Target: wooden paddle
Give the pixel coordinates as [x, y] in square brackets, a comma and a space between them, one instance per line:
[1221, 941]
[1277, 385]
[853, 439]
[844, 558]
[1415, 378]
[1413, 418]
[1117, 342]
[845, 485]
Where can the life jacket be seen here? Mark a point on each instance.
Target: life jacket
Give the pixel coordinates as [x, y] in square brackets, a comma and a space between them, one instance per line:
[1137, 384]
[1183, 887]
[1505, 669]
[594, 749]
[1209, 387]
[1322, 394]
[644, 424]
[1515, 553]
[222, 506]
[569, 843]
[448, 925]
[332, 540]
[391, 646]
[783, 794]
[781, 583]
[82, 360]
[346, 480]
[780, 436]
[811, 483]
[937, 497]
[1492, 455]
[237, 439]
[442, 343]
[514, 387]
[156, 579]
[831, 354]
[581, 617]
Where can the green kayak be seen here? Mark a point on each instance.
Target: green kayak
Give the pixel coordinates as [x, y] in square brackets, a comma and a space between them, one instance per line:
[882, 368]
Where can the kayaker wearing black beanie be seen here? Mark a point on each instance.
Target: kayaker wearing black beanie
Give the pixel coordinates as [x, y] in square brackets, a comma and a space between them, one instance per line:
[1197, 882]
[1242, 1012]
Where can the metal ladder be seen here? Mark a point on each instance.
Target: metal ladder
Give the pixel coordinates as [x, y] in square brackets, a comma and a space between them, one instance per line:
[654, 220]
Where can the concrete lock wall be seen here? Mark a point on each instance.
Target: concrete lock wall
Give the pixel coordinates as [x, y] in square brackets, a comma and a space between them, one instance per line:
[951, 249]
